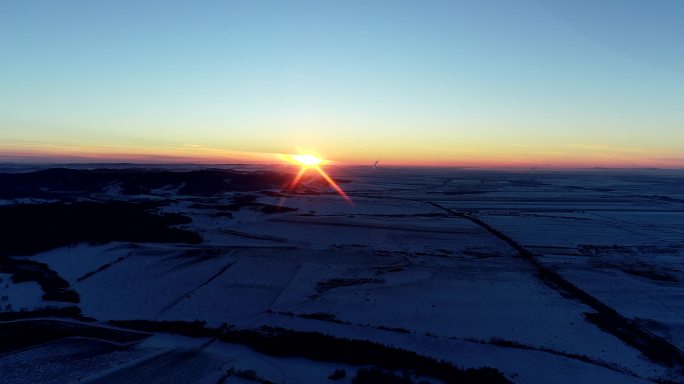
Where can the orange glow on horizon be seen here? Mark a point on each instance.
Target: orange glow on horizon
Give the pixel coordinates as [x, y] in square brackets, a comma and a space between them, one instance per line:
[570, 156]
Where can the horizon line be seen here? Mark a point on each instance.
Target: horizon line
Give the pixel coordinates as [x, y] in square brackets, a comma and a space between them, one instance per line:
[540, 168]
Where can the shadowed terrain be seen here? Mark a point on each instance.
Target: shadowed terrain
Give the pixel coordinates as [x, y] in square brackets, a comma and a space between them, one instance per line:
[431, 275]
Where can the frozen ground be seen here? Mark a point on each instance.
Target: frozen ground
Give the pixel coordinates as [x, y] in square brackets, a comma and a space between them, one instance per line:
[477, 268]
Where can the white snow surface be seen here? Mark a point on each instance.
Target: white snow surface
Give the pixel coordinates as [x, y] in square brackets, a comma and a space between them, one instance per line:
[395, 269]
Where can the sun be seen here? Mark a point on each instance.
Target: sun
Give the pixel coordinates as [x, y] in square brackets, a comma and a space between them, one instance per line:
[309, 161]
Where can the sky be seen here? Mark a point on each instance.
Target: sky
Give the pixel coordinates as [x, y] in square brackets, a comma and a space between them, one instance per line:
[577, 83]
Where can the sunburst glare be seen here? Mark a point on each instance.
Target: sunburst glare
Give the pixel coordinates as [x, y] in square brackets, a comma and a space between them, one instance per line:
[309, 161]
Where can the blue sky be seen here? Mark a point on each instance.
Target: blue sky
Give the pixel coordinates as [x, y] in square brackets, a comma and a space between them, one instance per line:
[449, 82]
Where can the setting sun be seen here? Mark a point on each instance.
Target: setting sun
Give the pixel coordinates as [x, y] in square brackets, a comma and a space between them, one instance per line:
[308, 160]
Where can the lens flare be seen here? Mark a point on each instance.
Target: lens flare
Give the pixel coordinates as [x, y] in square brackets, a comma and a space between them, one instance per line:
[309, 161]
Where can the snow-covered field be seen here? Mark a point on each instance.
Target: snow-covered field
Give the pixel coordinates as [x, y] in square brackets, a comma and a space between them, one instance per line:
[426, 260]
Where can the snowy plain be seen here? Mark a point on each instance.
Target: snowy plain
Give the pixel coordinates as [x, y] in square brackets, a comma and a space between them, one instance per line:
[417, 262]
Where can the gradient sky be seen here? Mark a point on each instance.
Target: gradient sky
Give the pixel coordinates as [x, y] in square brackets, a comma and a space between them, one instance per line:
[562, 83]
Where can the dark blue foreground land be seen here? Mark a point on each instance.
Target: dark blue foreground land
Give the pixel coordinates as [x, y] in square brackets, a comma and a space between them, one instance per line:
[139, 274]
